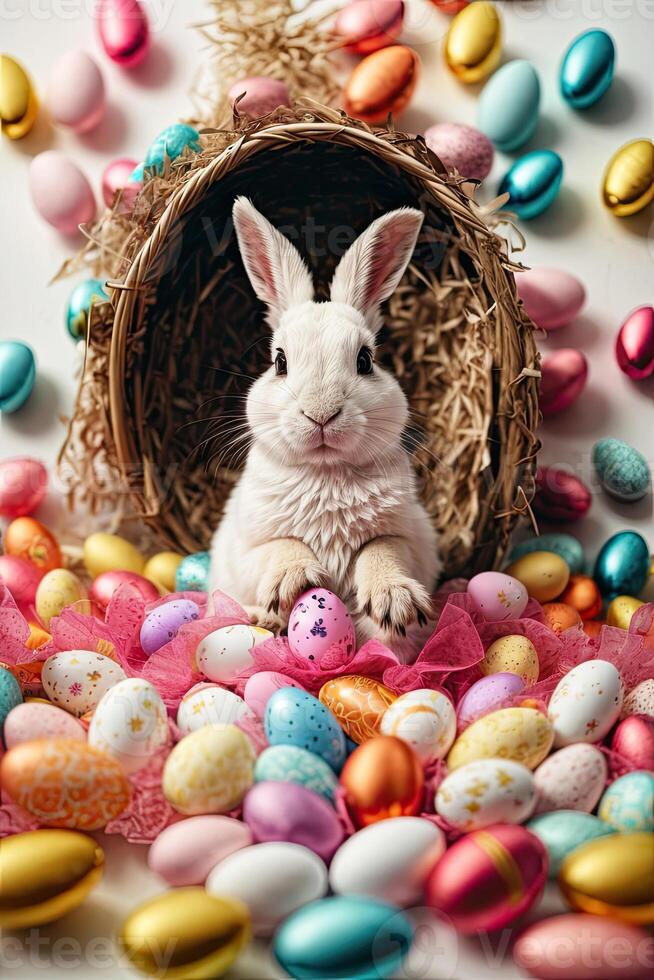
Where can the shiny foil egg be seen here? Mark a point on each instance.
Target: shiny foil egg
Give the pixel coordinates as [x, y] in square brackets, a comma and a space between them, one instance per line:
[522, 734]
[514, 654]
[367, 25]
[22, 579]
[622, 471]
[612, 876]
[320, 622]
[485, 792]
[209, 771]
[565, 545]
[192, 573]
[583, 595]
[223, 654]
[124, 31]
[130, 723]
[560, 617]
[571, 779]
[382, 778]
[291, 764]
[382, 83]
[76, 680]
[17, 374]
[23, 486]
[587, 68]
[564, 373]
[171, 143]
[257, 96]
[498, 596]
[461, 147]
[163, 623]
[473, 44]
[161, 569]
[107, 583]
[622, 566]
[486, 695]
[621, 610]
[634, 347]
[30, 540]
[357, 703]
[628, 803]
[185, 852]
[543, 574]
[563, 831]
[56, 590]
[552, 297]
[109, 553]
[85, 295]
[560, 495]
[423, 718]
[628, 184]
[508, 105]
[116, 178]
[633, 740]
[75, 93]
[281, 811]
[532, 183]
[586, 703]
[60, 192]
[294, 717]
[18, 103]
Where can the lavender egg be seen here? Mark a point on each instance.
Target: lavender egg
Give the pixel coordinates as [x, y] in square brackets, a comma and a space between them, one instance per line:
[462, 147]
[290, 812]
[488, 694]
[162, 624]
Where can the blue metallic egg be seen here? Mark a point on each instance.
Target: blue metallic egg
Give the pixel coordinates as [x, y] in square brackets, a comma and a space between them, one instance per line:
[623, 565]
[587, 68]
[89, 293]
[10, 694]
[564, 545]
[291, 764]
[170, 143]
[532, 183]
[508, 105]
[17, 374]
[563, 831]
[294, 717]
[192, 573]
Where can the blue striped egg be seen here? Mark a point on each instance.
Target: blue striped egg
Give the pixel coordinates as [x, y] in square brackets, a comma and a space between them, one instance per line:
[621, 469]
[17, 374]
[294, 717]
[563, 831]
[291, 764]
[10, 694]
[532, 183]
[623, 565]
[89, 293]
[192, 573]
[170, 143]
[508, 105]
[587, 68]
[564, 545]
[628, 803]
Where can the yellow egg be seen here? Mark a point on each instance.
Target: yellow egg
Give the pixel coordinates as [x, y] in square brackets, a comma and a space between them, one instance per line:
[161, 569]
[18, 103]
[209, 771]
[629, 178]
[56, 590]
[612, 876]
[473, 43]
[543, 574]
[185, 934]
[621, 609]
[44, 874]
[514, 654]
[111, 553]
[522, 734]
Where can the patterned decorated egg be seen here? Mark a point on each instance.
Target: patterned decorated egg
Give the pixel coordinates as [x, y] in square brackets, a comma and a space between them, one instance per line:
[65, 783]
[621, 469]
[473, 43]
[564, 373]
[640, 700]
[508, 105]
[223, 654]
[104, 586]
[23, 485]
[162, 568]
[130, 723]
[18, 102]
[583, 595]
[171, 143]
[382, 778]
[75, 92]
[290, 764]
[628, 184]
[532, 183]
[56, 590]
[587, 68]
[559, 616]
[586, 703]
[622, 566]
[486, 695]
[289, 812]
[210, 704]
[209, 771]
[423, 718]
[633, 740]
[184, 853]
[27, 538]
[628, 803]
[367, 25]
[563, 831]
[60, 192]
[634, 347]
[571, 779]
[257, 96]
[192, 573]
[485, 792]
[514, 654]
[86, 294]
[612, 876]
[260, 687]
[162, 623]
[462, 147]
[543, 574]
[319, 622]
[522, 734]
[294, 717]
[124, 31]
[76, 680]
[498, 596]
[109, 553]
[10, 696]
[621, 610]
[357, 703]
[552, 298]
[560, 495]
[34, 720]
[382, 83]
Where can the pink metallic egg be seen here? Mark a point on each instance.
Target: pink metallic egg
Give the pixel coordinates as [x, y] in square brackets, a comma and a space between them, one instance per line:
[260, 95]
[634, 348]
[463, 147]
[552, 297]
[560, 495]
[124, 31]
[498, 596]
[564, 375]
[115, 177]
[76, 96]
[105, 585]
[260, 687]
[290, 812]
[488, 694]
[30, 721]
[21, 578]
[319, 623]
[368, 25]
[60, 192]
[633, 739]
[23, 485]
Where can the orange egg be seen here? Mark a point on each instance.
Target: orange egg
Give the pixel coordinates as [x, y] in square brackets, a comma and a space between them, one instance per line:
[383, 82]
[38, 636]
[29, 539]
[592, 627]
[382, 778]
[583, 595]
[559, 616]
[358, 703]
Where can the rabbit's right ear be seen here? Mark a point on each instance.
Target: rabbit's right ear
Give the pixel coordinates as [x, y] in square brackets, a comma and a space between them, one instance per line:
[277, 271]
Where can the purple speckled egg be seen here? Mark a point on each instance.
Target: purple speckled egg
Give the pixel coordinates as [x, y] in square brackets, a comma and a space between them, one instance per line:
[260, 687]
[498, 596]
[319, 622]
[163, 623]
[290, 812]
[463, 147]
[488, 694]
[34, 720]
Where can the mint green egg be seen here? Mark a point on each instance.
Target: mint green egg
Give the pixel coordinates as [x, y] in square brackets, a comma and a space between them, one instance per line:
[89, 293]
[621, 469]
[563, 831]
[17, 374]
[192, 573]
[508, 105]
[628, 803]
[292, 764]
[564, 545]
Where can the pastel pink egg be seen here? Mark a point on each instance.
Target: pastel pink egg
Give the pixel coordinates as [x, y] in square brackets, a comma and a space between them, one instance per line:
[33, 720]
[571, 779]
[560, 495]
[115, 177]
[488, 694]
[369, 25]
[21, 578]
[260, 687]
[320, 622]
[260, 95]
[23, 485]
[186, 852]
[634, 347]
[107, 583]
[564, 375]
[552, 297]
[498, 596]
[633, 739]
[124, 31]
[60, 192]
[462, 147]
[76, 96]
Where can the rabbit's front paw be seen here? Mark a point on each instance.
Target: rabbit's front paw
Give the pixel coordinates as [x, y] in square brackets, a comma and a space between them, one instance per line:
[280, 586]
[265, 619]
[396, 604]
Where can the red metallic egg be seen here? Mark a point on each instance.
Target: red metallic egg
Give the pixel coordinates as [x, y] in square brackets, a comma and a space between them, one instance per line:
[560, 495]
[106, 583]
[634, 348]
[563, 377]
[633, 739]
[382, 778]
[23, 485]
[368, 25]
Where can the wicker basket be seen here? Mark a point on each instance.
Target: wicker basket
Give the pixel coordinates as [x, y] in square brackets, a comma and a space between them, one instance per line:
[169, 361]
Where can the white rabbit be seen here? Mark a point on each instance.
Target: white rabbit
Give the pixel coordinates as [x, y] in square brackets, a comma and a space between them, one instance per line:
[328, 494]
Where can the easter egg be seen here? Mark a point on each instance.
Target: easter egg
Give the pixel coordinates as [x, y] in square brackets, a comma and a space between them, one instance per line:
[563, 831]
[587, 68]
[512, 655]
[382, 83]
[130, 723]
[17, 374]
[640, 700]
[583, 595]
[621, 469]
[23, 485]
[110, 553]
[508, 105]
[21, 578]
[319, 621]
[192, 573]
[10, 695]
[486, 792]
[552, 297]
[76, 680]
[532, 183]
[628, 803]
[571, 779]
[559, 616]
[209, 771]
[65, 783]
[209, 704]
[621, 610]
[76, 96]
[106, 583]
[622, 566]
[367, 25]
[543, 574]
[343, 936]
[252, 874]
[124, 31]
[628, 184]
[260, 687]
[486, 695]
[86, 294]
[289, 812]
[163, 623]
[593, 628]
[30, 540]
[382, 778]
[115, 179]
[634, 346]
[28, 722]
[18, 103]
[564, 545]
[633, 740]
[207, 934]
[522, 734]
[473, 43]
[162, 568]
[425, 719]
[564, 373]
[498, 596]
[389, 860]
[488, 878]
[223, 654]
[170, 144]
[586, 703]
[461, 147]
[560, 495]
[56, 590]
[257, 96]
[290, 764]
[60, 192]
[612, 876]
[294, 717]
[184, 853]
[357, 703]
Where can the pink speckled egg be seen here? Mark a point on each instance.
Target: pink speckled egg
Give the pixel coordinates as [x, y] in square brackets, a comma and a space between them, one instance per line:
[260, 687]
[185, 852]
[633, 739]
[76, 95]
[564, 375]
[488, 694]
[115, 177]
[318, 623]
[33, 720]
[571, 779]
[640, 700]
[106, 583]
[164, 622]
[552, 297]
[60, 192]
[21, 578]
[463, 147]
[260, 95]
[498, 596]
[23, 485]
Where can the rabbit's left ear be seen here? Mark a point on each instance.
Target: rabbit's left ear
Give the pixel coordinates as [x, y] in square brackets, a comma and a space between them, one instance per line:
[372, 267]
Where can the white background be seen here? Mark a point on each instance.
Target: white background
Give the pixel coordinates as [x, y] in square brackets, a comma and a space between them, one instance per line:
[612, 257]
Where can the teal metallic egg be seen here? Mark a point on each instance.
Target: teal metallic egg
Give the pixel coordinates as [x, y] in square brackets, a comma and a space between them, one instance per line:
[17, 374]
[628, 803]
[532, 183]
[564, 545]
[171, 143]
[89, 293]
[623, 565]
[292, 764]
[508, 105]
[344, 936]
[621, 469]
[192, 574]
[587, 68]
[10, 694]
[563, 831]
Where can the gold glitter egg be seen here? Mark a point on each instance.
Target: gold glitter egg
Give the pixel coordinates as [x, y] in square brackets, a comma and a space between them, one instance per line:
[612, 876]
[513, 654]
[628, 185]
[358, 704]
[522, 734]
[621, 610]
[473, 43]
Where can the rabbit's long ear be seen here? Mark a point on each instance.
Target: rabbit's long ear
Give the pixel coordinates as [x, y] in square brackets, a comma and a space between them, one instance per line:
[374, 264]
[277, 271]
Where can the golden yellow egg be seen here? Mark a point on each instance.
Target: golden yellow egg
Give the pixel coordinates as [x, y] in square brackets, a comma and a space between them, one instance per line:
[358, 703]
[522, 734]
[56, 590]
[185, 934]
[44, 874]
[111, 553]
[629, 178]
[161, 568]
[612, 876]
[543, 574]
[514, 654]
[18, 102]
[647, 592]
[473, 43]
[621, 609]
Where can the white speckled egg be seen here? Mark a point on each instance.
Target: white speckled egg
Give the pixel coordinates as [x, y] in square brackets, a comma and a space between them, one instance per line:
[571, 779]
[34, 720]
[586, 703]
[209, 704]
[514, 654]
[209, 771]
[223, 654]
[485, 792]
[130, 723]
[640, 700]
[425, 719]
[76, 680]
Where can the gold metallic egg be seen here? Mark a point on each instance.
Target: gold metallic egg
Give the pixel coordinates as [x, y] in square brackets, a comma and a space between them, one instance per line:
[543, 574]
[382, 778]
[161, 569]
[185, 934]
[358, 703]
[514, 654]
[629, 178]
[583, 595]
[473, 43]
[18, 102]
[383, 82]
[612, 876]
[522, 734]
[621, 610]
[559, 616]
[44, 874]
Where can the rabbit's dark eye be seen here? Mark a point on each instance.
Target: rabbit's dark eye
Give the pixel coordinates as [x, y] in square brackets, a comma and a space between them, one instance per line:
[280, 362]
[365, 363]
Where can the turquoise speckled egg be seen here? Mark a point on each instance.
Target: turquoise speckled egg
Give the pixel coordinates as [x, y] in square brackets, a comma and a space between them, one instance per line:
[86, 294]
[343, 936]
[587, 68]
[532, 183]
[171, 142]
[508, 105]
[192, 573]
[294, 717]
[17, 374]
[564, 545]
[621, 469]
[628, 803]
[623, 564]
[563, 831]
[291, 764]
[10, 694]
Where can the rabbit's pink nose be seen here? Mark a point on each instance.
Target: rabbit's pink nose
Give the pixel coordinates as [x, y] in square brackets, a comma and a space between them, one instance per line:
[322, 419]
